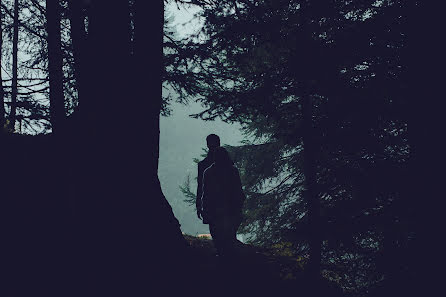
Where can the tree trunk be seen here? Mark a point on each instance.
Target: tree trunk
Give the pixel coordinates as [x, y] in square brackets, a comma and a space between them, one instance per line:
[129, 236]
[77, 30]
[57, 185]
[308, 67]
[148, 55]
[55, 61]
[2, 93]
[15, 40]
[423, 182]
[310, 189]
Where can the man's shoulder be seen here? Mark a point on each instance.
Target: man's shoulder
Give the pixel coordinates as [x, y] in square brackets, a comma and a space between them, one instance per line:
[206, 162]
[209, 170]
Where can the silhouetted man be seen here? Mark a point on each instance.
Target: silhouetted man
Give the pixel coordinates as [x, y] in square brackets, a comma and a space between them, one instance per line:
[222, 201]
[213, 141]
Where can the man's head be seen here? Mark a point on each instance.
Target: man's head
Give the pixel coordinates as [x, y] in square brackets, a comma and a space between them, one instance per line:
[213, 141]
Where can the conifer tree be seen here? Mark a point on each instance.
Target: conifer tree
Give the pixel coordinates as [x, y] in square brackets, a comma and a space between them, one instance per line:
[259, 65]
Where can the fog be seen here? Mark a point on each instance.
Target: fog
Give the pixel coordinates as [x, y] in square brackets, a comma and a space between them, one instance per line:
[182, 138]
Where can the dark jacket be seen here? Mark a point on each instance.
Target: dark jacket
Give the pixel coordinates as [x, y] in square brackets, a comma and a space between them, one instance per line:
[223, 195]
[202, 166]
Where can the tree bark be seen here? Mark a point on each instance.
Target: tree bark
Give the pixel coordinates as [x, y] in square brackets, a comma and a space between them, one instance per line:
[55, 61]
[15, 40]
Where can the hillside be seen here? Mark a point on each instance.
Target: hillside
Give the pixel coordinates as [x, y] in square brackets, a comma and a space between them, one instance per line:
[255, 270]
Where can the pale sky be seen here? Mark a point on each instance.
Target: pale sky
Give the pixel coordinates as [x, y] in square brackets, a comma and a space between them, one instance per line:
[182, 18]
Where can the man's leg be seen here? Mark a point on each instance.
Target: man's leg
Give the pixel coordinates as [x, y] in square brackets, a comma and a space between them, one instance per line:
[216, 233]
[227, 236]
[233, 225]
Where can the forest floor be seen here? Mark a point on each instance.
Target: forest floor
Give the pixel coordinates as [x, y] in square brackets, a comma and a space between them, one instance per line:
[256, 271]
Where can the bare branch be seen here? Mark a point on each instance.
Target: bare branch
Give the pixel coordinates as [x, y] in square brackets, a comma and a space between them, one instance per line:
[21, 24]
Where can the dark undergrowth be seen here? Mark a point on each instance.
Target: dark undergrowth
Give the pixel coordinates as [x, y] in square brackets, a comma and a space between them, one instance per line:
[255, 270]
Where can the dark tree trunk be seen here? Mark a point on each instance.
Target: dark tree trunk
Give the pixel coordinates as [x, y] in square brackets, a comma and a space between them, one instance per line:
[308, 74]
[15, 40]
[77, 27]
[2, 93]
[148, 70]
[57, 108]
[424, 181]
[129, 238]
[148, 59]
[310, 189]
[57, 186]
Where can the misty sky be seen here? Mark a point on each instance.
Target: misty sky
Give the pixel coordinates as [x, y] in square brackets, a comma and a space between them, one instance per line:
[182, 139]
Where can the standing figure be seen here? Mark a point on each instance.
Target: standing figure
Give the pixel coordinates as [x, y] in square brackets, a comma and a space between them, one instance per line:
[222, 201]
[213, 142]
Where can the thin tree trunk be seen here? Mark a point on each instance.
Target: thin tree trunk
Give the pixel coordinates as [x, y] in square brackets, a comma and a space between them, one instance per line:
[315, 241]
[423, 182]
[58, 191]
[55, 73]
[15, 40]
[2, 94]
[310, 189]
[78, 39]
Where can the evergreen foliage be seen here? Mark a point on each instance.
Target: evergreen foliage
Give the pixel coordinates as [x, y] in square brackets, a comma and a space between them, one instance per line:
[256, 62]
